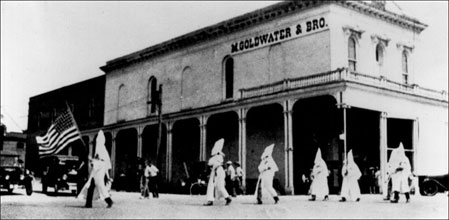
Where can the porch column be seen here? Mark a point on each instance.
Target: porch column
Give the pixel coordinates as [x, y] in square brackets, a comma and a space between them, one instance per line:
[169, 150]
[139, 141]
[242, 142]
[203, 136]
[113, 152]
[383, 153]
[415, 141]
[288, 148]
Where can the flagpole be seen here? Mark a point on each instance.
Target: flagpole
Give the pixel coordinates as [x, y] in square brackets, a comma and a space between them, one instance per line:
[72, 117]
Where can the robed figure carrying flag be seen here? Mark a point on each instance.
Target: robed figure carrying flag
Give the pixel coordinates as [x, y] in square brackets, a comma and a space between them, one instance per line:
[216, 184]
[267, 168]
[95, 187]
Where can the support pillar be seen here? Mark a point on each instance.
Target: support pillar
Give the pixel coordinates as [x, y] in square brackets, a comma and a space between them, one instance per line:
[383, 153]
[169, 150]
[113, 152]
[139, 141]
[242, 142]
[288, 148]
[415, 142]
[203, 137]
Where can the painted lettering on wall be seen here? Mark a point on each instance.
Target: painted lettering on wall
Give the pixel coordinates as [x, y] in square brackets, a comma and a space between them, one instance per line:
[303, 28]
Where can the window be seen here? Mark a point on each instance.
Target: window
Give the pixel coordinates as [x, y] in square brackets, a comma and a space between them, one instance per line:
[121, 102]
[379, 54]
[405, 67]
[151, 95]
[352, 56]
[229, 77]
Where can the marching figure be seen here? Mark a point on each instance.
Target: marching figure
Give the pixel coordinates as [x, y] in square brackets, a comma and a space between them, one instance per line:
[400, 175]
[95, 186]
[267, 168]
[319, 175]
[217, 176]
[351, 174]
[391, 168]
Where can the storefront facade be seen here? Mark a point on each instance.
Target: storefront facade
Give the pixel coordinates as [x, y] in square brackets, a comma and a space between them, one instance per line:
[301, 75]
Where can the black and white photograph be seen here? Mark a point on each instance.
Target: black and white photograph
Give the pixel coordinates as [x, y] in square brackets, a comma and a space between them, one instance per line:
[311, 109]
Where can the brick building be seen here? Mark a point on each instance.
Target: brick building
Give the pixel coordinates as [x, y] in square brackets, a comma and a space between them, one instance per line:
[86, 101]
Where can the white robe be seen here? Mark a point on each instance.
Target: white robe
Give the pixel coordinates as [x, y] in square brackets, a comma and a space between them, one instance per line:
[350, 186]
[400, 177]
[319, 186]
[98, 173]
[267, 168]
[216, 183]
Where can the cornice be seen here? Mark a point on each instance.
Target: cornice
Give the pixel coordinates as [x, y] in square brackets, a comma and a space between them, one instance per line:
[255, 18]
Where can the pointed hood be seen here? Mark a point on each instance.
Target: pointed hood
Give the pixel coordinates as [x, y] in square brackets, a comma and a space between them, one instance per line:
[217, 147]
[352, 166]
[318, 157]
[100, 149]
[350, 157]
[267, 152]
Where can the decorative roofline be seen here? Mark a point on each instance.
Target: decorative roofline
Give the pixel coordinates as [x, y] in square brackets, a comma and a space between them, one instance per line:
[254, 18]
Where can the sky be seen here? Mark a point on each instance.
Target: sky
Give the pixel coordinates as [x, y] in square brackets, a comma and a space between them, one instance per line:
[46, 45]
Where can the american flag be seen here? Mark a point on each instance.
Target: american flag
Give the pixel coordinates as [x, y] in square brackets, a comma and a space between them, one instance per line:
[62, 132]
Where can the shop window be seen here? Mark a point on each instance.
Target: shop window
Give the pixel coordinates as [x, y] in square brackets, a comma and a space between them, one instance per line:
[352, 56]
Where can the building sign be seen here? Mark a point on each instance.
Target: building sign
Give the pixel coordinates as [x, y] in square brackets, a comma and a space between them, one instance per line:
[287, 33]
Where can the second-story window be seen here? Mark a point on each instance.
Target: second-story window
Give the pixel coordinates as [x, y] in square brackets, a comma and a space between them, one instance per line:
[151, 94]
[121, 102]
[405, 67]
[352, 56]
[379, 54]
[229, 77]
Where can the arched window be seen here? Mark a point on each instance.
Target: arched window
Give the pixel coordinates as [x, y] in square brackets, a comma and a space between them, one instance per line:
[121, 103]
[379, 54]
[352, 55]
[405, 67]
[229, 77]
[151, 95]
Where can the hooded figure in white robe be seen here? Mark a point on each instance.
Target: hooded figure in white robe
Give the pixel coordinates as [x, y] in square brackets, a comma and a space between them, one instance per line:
[351, 175]
[101, 163]
[391, 168]
[216, 184]
[319, 186]
[267, 168]
[400, 173]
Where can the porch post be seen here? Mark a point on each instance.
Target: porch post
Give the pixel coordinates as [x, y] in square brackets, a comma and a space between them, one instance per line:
[242, 142]
[288, 148]
[203, 136]
[169, 150]
[415, 142]
[139, 141]
[383, 153]
[113, 152]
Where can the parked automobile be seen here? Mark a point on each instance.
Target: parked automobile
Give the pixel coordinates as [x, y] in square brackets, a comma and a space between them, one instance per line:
[61, 173]
[12, 174]
[431, 185]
